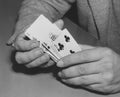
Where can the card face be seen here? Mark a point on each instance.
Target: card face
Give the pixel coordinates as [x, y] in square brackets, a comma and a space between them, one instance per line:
[65, 44]
[43, 30]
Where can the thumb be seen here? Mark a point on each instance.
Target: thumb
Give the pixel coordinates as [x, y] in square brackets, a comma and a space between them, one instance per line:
[59, 24]
[11, 40]
[85, 47]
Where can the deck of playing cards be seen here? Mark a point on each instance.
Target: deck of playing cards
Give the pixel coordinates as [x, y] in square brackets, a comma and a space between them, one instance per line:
[56, 42]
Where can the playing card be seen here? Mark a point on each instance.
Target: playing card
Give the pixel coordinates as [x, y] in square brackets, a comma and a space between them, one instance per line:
[44, 31]
[65, 44]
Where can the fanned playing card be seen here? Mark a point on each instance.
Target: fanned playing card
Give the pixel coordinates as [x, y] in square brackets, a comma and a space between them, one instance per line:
[65, 44]
[44, 31]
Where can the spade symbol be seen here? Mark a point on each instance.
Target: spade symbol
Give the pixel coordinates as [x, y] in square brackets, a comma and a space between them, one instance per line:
[67, 38]
[71, 51]
[61, 46]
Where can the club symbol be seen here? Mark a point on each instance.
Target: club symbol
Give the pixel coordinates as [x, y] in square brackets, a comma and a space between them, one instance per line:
[61, 46]
[71, 51]
[67, 38]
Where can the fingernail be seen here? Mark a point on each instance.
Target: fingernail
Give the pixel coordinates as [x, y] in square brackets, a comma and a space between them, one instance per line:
[60, 63]
[8, 44]
[29, 66]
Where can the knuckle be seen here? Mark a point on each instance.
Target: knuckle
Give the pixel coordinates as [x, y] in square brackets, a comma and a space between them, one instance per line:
[46, 57]
[83, 79]
[82, 70]
[107, 66]
[33, 54]
[17, 45]
[107, 51]
[107, 77]
[85, 55]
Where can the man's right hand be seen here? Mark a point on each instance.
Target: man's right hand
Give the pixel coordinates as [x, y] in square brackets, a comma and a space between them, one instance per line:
[29, 53]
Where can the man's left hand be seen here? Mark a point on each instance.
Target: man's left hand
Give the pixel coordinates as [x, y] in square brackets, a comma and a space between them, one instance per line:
[95, 68]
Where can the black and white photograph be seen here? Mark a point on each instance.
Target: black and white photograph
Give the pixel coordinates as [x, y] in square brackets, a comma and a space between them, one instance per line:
[59, 48]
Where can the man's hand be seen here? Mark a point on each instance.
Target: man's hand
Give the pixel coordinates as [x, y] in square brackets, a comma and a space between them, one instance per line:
[29, 53]
[95, 68]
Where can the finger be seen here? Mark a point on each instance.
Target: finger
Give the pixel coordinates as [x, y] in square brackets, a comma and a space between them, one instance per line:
[12, 39]
[84, 80]
[85, 47]
[42, 60]
[80, 70]
[59, 24]
[50, 63]
[24, 45]
[26, 57]
[84, 56]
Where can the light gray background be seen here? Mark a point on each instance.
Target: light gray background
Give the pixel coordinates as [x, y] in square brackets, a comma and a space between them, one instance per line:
[14, 84]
